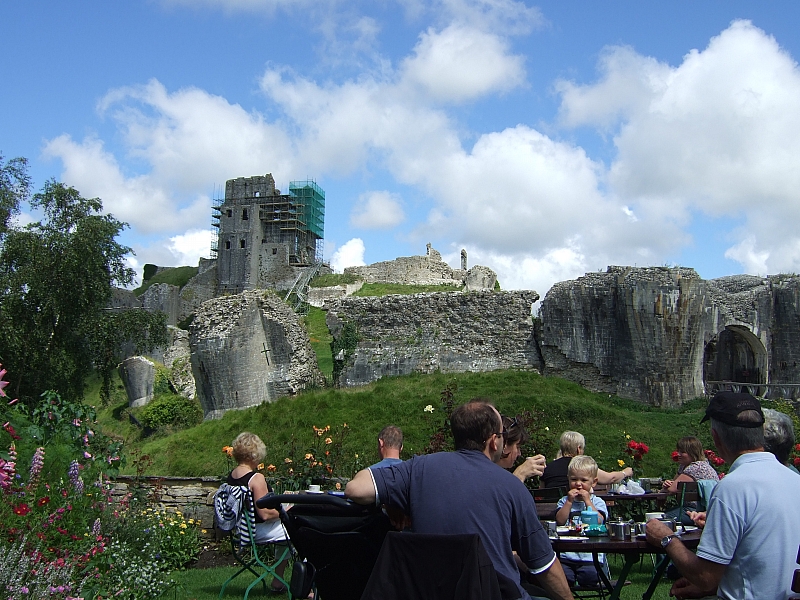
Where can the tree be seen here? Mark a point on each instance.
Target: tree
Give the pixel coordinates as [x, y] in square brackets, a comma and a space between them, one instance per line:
[56, 281]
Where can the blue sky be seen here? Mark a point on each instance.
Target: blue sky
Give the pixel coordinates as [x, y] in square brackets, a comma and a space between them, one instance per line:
[548, 139]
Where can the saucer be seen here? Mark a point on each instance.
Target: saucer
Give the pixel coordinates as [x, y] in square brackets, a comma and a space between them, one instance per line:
[314, 492]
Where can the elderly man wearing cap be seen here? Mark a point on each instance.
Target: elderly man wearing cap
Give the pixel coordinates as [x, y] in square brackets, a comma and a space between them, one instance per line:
[752, 532]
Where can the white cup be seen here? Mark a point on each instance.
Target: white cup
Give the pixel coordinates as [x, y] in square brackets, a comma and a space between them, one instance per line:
[653, 515]
[313, 488]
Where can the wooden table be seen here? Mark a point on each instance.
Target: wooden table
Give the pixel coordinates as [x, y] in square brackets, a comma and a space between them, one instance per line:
[631, 550]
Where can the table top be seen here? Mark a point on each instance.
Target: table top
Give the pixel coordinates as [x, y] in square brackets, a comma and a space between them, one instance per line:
[613, 496]
[605, 544]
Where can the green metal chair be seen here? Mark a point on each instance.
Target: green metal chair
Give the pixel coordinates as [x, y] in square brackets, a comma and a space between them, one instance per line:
[259, 559]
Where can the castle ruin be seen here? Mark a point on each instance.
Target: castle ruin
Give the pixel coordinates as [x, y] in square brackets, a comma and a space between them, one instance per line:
[267, 239]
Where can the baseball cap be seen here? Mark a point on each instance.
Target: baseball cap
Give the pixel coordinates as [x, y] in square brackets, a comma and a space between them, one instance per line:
[726, 406]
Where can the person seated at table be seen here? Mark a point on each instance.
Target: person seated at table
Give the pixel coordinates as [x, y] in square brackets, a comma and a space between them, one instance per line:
[516, 435]
[779, 436]
[248, 451]
[693, 466]
[573, 444]
[582, 473]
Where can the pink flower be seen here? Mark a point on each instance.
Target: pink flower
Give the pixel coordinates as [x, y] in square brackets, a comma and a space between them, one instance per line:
[87, 455]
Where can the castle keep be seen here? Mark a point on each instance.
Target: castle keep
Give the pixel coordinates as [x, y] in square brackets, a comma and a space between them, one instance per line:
[265, 238]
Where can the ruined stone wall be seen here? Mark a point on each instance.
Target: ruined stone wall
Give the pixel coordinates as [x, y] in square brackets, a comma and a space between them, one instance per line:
[649, 333]
[785, 330]
[411, 270]
[247, 349]
[444, 331]
[636, 330]
[199, 288]
[163, 297]
[318, 296]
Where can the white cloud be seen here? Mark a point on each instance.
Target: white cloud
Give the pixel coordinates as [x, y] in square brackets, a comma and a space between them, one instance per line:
[350, 254]
[719, 133]
[189, 247]
[462, 63]
[377, 210]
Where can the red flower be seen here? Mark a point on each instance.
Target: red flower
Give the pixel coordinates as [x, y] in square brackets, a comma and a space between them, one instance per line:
[21, 509]
[796, 461]
[43, 500]
[708, 453]
[718, 461]
[675, 455]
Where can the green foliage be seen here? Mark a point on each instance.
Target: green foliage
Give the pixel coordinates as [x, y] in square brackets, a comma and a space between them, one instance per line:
[384, 289]
[170, 411]
[496, 285]
[149, 270]
[178, 276]
[56, 280]
[15, 185]
[331, 279]
[556, 405]
[343, 347]
[321, 338]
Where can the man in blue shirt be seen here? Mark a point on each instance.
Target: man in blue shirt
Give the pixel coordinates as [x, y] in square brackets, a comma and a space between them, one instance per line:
[464, 492]
[390, 445]
[749, 543]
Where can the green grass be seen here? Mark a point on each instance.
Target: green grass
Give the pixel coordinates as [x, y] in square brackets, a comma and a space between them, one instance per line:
[321, 339]
[604, 420]
[383, 289]
[204, 584]
[179, 276]
[333, 279]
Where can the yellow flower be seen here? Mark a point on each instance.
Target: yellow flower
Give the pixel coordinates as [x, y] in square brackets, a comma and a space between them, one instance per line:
[183, 526]
[428, 408]
[203, 531]
[547, 429]
[272, 468]
[627, 437]
[309, 456]
[182, 532]
[328, 441]
[287, 460]
[260, 467]
[621, 463]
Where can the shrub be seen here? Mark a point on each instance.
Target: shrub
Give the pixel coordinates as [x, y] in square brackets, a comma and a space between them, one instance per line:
[170, 411]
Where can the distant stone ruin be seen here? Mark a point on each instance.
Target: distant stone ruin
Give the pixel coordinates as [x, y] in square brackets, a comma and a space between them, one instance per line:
[247, 349]
[423, 270]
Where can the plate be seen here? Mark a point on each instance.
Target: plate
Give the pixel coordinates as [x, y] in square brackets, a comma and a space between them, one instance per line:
[562, 530]
[314, 492]
[688, 528]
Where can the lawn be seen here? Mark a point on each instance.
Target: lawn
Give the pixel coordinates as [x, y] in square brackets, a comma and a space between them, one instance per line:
[204, 584]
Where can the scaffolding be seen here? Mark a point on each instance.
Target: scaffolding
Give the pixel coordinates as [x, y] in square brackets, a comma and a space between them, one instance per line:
[216, 211]
[296, 219]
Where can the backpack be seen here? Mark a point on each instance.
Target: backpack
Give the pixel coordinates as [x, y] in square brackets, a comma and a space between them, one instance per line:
[228, 503]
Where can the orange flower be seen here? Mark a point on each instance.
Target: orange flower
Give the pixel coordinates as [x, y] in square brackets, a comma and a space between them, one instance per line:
[260, 467]
[328, 441]
[309, 456]
[228, 450]
[272, 468]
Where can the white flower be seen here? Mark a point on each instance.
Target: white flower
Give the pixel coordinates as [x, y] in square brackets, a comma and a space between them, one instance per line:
[428, 408]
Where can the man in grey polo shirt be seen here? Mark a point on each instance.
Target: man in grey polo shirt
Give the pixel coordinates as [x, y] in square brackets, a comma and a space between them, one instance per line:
[751, 536]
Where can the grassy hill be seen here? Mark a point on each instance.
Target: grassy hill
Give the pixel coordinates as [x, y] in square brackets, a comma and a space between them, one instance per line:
[286, 425]
[179, 276]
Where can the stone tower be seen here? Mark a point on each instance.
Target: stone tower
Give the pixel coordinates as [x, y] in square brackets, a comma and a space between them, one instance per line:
[265, 236]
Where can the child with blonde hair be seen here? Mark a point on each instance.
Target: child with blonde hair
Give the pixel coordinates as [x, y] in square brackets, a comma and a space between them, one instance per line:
[582, 474]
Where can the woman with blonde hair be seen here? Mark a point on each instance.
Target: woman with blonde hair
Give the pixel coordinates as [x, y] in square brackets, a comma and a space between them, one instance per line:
[573, 444]
[249, 451]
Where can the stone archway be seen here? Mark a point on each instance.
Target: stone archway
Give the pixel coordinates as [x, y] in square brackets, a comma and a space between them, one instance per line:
[735, 354]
